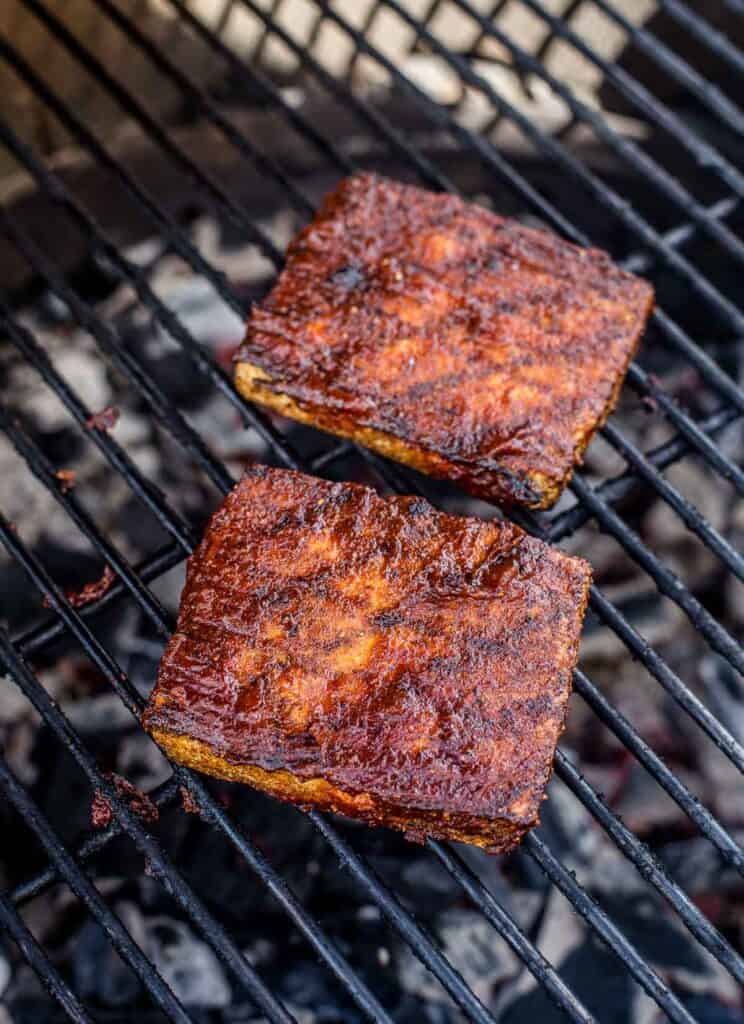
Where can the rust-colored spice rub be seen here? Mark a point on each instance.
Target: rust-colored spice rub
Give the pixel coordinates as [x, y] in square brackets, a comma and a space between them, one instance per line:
[374, 657]
[443, 336]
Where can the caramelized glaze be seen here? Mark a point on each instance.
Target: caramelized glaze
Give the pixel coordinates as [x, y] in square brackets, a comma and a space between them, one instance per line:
[373, 656]
[460, 342]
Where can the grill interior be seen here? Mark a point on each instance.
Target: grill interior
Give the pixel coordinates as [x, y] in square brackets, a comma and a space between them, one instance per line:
[611, 125]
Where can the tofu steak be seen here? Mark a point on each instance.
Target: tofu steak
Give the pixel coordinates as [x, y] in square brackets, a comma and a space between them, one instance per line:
[374, 657]
[445, 337]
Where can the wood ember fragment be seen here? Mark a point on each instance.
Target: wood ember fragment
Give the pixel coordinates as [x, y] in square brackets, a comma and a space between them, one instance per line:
[90, 592]
[106, 419]
[67, 479]
[189, 804]
[100, 809]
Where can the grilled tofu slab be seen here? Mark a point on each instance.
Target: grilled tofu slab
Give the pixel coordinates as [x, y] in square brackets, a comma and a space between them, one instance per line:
[374, 657]
[461, 343]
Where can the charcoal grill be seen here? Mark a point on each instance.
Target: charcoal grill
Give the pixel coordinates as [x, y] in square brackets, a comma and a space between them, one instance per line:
[682, 219]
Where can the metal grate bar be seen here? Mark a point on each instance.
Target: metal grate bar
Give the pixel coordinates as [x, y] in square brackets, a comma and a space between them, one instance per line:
[170, 418]
[606, 196]
[665, 182]
[50, 977]
[208, 807]
[648, 867]
[693, 519]
[667, 582]
[87, 893]
[151, 496]
[37, 638]
[706, 156]
[671, 682]
[644, 975]
[639, 263]
[159, 863]
[636, 847]
[216, 193]
[162, 796]
[562, 524]
[589, 909]
[246, 73]
[61, 498]
[699, 28]
[708, 94]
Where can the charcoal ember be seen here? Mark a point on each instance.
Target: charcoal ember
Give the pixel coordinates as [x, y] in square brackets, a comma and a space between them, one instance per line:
[309, 987]
[698, 868]
[186, 963]
[5, 974]
[98, 971]
[706, 1010]
[105, 419]
[141, 761]
[595, 975]
[67, 479]
[467, 940]
[724, 692]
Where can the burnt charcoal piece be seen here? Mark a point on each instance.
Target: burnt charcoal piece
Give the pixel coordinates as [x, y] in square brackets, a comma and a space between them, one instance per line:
[338, 651]
[443, 336]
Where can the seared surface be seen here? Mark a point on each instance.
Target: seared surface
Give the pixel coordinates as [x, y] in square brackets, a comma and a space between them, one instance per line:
[373, 656]
[447, 337]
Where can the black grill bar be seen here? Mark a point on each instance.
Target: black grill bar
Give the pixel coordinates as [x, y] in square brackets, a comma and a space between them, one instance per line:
[210, 809]
[640, 263]
[708, 94]
[690, 432]
[87, 893]
[671, 331]
[150, 495]
[699, 28]
[665, 182]
[729, 469]
[56, 986]
[160, 865]
[650, 984]
[649, 868]
[705, 155]
[562, 524]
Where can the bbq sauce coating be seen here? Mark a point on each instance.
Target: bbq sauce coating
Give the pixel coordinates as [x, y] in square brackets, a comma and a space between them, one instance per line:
[373, 656]
[462, 343]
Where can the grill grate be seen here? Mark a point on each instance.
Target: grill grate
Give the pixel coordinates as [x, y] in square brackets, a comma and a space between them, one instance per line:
[653, 249]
